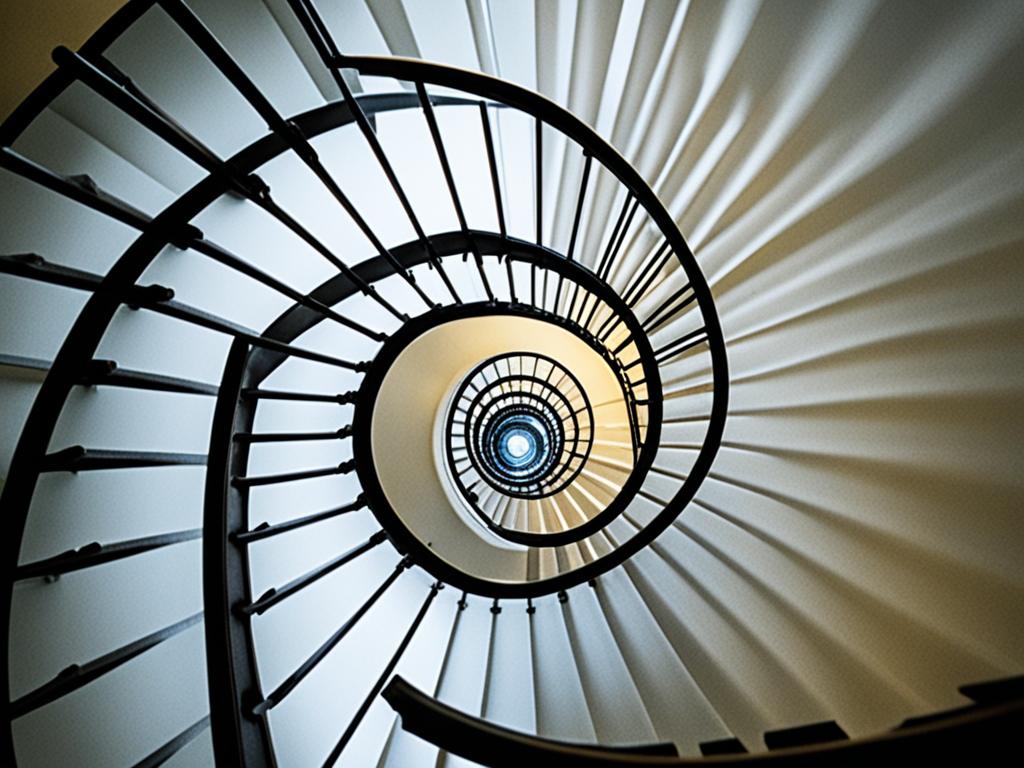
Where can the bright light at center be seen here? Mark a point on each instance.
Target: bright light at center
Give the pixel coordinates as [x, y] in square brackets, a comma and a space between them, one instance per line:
[517, 446]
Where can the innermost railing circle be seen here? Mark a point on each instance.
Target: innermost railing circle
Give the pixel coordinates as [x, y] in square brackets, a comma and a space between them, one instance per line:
[538, 434]
[520, 425]
[520, 442]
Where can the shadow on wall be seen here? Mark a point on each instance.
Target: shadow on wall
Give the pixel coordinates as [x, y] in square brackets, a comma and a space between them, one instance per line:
[862, 231]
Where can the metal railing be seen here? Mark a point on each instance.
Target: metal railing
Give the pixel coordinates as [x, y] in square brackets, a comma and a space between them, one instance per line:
[519, 428]
[621, 313]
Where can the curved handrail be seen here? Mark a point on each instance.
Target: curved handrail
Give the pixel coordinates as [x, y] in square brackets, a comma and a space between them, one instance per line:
[230, 651]
[495, 745]
[953, 740]
[421, 552]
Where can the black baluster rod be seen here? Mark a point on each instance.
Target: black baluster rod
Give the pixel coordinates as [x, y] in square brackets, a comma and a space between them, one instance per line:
[583, 304]
[587, 159]
[499, 207]
[681, 345]
[614, 255]
[371, 137]
[599, 267]
[681, 341]
[205, 40]
[77, 458]
[335, 753]
[107, 81]
[95, 554]
[642, 282]
[107, 373]
[615, 245]
[665, 311]
[324, 44]
[34, 267]
[272, 597]
[168, 750]
[83, 190]
[593, 310]
[287, 437]
[382, 159]
[159, 299]
[638, 289]
[673, 348]
[248, 481]
[449, 178]
[538, 144]
[317, 245]
[622, 345]
[156, 298]
[265, 530]
[342, 398]
[538, 133]
[492, 162]
[231, 261]
[385, 253]
[278, 694]
[79, 675]
[212, 322]
[24, 363]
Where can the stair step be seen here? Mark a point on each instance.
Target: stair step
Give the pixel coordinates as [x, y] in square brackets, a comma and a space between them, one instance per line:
[562, 710]
[661, 676]
[616, 706]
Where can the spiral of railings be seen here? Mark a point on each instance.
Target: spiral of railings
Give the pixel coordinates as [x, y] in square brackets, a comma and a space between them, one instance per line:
[628, 318]
[523, 422]
[530, 443]
[519, 428]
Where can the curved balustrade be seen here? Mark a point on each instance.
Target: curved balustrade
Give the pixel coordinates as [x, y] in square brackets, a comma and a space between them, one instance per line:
[573, 436]
[520, 427]
[958, 737]
[559, 290]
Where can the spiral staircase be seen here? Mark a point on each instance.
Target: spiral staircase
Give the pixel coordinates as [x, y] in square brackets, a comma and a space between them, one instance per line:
[364, 406]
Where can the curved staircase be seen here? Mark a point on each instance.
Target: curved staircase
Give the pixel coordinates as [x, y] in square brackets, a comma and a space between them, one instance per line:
[369, 410]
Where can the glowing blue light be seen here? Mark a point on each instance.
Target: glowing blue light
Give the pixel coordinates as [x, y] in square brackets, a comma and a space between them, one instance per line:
[517, 445]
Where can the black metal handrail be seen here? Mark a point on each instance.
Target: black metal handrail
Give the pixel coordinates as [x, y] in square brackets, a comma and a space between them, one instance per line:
[493, 745]
[985, 733]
